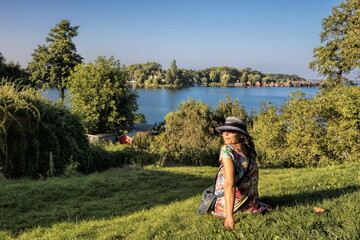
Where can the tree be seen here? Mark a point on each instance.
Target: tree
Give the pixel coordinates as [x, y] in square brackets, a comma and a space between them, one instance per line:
[171, 76]
[101, 95]
[13, 72]
[341, 36]
[224, 79]
[254, 78]
[52, 64]
[187, 76]
[214, 76]
[2, 60]
[244, 77]
[140, 76]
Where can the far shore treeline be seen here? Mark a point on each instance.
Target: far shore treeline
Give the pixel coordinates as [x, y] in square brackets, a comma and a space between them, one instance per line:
[39, 138]
[152, 75]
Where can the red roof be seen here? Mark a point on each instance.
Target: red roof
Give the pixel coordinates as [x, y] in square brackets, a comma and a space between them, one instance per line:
[125, 139]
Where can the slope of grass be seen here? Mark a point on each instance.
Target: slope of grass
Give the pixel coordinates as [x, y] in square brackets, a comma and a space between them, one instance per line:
[160, 203]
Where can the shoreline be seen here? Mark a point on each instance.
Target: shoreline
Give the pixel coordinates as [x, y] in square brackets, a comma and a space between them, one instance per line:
[295, 84]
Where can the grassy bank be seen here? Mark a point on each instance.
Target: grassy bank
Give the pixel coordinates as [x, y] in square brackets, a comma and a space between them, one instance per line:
[160, 203]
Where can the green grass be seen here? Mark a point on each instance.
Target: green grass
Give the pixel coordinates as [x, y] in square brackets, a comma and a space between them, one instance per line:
[160, 203]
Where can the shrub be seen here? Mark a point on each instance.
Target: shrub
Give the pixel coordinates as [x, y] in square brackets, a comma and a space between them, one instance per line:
[318, 131]
[269, 136]
[188, 134]
[108, 155]
[304, 143]
[340, 112]
[102, 159]
[37, 137]
[305, 131]
[230, 107]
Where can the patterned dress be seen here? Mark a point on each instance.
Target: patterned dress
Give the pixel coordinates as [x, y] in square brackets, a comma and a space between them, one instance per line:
[246, 194]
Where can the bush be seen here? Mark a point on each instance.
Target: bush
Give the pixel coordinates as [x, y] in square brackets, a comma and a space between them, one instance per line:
[340, 112]
[189, 136]
[230, 107]
[102, 159]
[37, 137]
[108, 155]
[319, 131]
[269, 136]
[304, 130]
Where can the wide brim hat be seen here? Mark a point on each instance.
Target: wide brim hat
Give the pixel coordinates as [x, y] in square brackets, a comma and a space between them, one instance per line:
[233, 123]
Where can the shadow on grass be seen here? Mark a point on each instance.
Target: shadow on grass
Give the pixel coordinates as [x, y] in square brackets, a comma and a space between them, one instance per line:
[289, 200]
[25, 205]
[29, 204]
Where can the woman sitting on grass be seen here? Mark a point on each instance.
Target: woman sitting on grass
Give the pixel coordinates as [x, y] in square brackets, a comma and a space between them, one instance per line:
[239, 175]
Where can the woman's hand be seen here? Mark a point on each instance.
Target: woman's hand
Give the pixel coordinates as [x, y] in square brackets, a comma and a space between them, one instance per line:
[229, 223]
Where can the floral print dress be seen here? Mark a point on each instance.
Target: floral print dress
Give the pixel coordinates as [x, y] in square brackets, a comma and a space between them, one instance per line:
[246, 194]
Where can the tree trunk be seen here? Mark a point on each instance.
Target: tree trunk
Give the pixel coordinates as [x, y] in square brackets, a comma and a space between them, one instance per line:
[62, 94]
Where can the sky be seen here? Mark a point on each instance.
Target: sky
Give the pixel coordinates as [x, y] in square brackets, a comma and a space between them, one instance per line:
[276, 36]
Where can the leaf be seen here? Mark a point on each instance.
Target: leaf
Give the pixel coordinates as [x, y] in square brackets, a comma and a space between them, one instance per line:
[320, 210]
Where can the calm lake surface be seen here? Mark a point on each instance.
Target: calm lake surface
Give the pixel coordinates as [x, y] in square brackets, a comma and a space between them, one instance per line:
[156, 103]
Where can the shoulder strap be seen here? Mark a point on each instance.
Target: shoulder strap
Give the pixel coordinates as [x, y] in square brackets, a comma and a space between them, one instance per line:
[217, 176]
[246, 170]
[244, 175]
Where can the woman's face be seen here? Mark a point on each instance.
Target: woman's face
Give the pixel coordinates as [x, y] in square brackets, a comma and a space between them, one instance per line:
[231, 137]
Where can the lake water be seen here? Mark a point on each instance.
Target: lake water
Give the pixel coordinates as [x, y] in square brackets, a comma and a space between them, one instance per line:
[156, 103]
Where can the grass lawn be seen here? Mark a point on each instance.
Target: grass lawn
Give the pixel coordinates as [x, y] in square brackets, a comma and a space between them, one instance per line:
[160, 203]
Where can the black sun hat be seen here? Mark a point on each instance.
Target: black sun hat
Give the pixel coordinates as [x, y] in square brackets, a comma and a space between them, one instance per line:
[233, 123]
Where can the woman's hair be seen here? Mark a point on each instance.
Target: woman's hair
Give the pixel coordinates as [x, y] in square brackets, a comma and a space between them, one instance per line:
[246, 140]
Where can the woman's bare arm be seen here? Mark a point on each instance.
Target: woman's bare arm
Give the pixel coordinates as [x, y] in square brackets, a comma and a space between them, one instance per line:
[229, 191]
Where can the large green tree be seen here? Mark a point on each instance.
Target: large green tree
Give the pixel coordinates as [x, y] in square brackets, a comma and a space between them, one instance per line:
[52, 63]
[341, 38]
[101, 95]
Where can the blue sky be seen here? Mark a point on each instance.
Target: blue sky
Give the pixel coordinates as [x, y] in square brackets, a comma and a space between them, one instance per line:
[276, 36]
